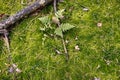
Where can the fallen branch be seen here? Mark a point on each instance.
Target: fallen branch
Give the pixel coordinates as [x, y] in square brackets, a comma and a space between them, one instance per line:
[5, 24]
[12, 19]
[19, 15]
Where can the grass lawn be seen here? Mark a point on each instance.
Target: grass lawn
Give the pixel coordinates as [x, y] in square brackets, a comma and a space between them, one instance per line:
[97, 34]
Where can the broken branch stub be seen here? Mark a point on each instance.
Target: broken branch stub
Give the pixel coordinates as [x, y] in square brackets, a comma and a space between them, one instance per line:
[26, 11]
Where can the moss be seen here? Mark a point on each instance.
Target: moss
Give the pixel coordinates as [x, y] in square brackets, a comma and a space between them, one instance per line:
[99, 46]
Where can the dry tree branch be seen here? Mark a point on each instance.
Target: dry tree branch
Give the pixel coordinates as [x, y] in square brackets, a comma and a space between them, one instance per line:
[5, 24]
[19, 15]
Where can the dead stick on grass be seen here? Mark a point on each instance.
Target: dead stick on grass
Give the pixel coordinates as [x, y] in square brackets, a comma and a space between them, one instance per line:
[8, 47]
[5, 24]
[26, 11]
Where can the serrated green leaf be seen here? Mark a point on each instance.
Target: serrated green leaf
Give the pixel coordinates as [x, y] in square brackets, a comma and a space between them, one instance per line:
[66, 26]
[45, 20]
[59, 13]
[58, 32]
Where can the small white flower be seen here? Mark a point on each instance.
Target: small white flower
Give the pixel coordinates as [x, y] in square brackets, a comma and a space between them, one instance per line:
[85, 9]
[11, 70]
[108, 62]
[51, 35]
[99, 24]
[14, 65]
[66, 41]
[18, 70]
[76, 38]
[96, 78]
[77, 47]
[57, 51]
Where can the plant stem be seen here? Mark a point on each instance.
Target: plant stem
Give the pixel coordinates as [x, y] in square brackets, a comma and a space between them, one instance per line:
[63, 41]
[55, 4]
[65, 50]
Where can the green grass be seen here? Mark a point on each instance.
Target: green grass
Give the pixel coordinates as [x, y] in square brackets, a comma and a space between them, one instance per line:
[99, 54]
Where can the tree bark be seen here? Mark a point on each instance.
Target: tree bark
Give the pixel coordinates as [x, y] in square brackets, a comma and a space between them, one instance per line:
[26, 11]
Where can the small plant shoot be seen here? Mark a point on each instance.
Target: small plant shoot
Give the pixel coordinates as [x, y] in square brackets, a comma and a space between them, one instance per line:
[61, 28]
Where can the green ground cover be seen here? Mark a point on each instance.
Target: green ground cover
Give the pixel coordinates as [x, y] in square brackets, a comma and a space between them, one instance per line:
[99, 54]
